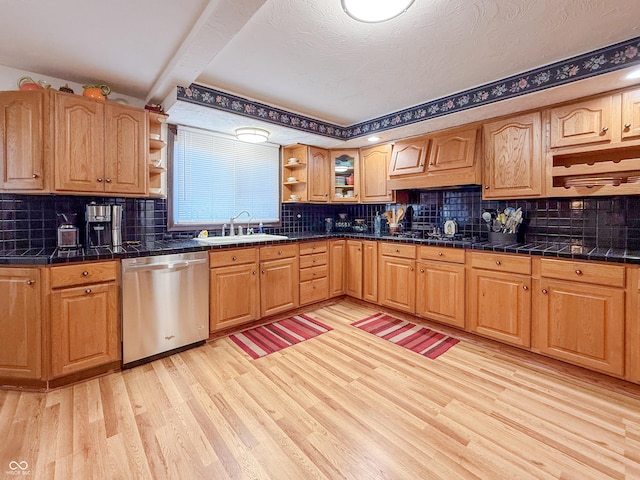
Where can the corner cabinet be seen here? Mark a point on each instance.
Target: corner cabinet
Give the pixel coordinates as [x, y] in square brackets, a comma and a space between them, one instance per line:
[345, 176]
[157, 158]
[23, 140]
[513, 162]
[21, 339]
[99, 147]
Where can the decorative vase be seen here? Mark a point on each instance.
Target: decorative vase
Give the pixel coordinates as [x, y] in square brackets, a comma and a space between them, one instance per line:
[97, 92]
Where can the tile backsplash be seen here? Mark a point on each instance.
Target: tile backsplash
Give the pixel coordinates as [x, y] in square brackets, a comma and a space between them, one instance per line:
[29, 221]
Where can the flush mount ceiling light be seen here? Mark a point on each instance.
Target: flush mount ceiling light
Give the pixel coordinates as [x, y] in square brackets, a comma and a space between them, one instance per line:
[634, 74]
[373, 138]
[372, 11]
[252, 134]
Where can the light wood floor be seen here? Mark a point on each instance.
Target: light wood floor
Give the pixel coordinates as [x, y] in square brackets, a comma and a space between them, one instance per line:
[343, 405]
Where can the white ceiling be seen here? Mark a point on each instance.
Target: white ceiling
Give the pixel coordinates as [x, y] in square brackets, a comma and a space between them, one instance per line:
[307, 56]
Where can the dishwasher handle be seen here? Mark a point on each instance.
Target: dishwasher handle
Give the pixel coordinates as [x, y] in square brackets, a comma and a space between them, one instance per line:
[165, 266]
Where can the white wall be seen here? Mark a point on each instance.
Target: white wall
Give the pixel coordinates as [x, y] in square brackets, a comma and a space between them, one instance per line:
[9, 81]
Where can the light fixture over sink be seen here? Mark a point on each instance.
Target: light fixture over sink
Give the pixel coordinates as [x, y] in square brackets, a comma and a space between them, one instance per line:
[373, 11]
[252, 134]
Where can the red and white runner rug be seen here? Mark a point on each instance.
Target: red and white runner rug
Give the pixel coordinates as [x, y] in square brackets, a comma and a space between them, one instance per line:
[422, 340]
[266, 339]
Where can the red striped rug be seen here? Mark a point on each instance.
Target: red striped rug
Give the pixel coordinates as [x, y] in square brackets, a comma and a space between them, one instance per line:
[422, 340]
[266, 339]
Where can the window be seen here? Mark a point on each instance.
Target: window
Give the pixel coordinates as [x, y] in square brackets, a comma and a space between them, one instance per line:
[215, 176]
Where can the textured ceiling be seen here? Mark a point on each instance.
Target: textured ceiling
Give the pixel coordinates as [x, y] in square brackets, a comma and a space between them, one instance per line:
[307, 56]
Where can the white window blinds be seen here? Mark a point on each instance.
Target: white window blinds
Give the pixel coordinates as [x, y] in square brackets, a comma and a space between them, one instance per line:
[216, 176]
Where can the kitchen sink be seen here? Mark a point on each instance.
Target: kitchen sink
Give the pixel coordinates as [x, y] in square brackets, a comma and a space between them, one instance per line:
[253, 238]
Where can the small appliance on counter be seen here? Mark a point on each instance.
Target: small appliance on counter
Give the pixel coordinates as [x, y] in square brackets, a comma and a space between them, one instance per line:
[98, 225]
[68, 237]
[116, 225]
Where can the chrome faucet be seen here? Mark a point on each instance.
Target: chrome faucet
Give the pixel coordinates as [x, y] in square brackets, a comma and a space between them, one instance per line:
[232, 231]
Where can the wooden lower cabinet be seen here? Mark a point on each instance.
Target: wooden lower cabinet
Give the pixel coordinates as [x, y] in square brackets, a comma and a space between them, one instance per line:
[370, 271]
[440, 292]
[84, 327]
[234, 288]
[581, 322]
[337, 267]
[354, 269]
[397, 276]
[279, 284]
[314, 279]
[499, 306]
[21, 339]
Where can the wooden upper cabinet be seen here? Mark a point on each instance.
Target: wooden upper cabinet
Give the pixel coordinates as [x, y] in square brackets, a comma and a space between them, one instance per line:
[125, 149]
[374, 174]
[78, 144]
[586, 122]
[409, 156]
[345, 176]
[631, 115]
[318, 174]
[513, 164]
[22, 139]
[452, 151]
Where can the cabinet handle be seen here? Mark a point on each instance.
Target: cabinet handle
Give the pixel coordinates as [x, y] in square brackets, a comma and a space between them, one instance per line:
[524, 287]
[262, 271]
[234, 258]
[397, 250]
[314, 287]
[313, 274]
[313, 248]
[85, 273]
[35, 175]
[326, 194]
[627, 127]
[356, 195]
[544, 290]
[422, 270]
[578, 272]
[486, 187]
[498, 262]
[254, 272]
[99, 179]
[279, 252]
[88, 290]
[30, 282]
[604, 130]
[439, 254]
[314, 260]
[411, 269]
[108, 180]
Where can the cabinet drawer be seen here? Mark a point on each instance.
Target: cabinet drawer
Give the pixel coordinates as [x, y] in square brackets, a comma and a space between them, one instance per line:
[279, 251]
[307, 274]
[313, 260]
[596, 273]
[314, 290]
[501, 262]
[224, 258]
[398, 250]
[444, 254]
[308, 248]
[83, 273]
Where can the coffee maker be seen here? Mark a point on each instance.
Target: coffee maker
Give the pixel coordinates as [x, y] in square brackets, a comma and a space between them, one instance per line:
[98, 225]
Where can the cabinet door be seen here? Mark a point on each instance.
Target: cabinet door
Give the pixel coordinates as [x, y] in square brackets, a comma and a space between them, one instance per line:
[582, 324]
[397, 283]
[452, 152]
[337, 270]
[500, 306]
[354, 268]
[440, 292]
[279, 290]
[22, 140]
[513, 157]
[84, 328]
[20, 342]
[631, 115]
[582, 123]
[370, 271]
[374, 174]
[318, 174]
[345, 174]
[79, 144]
[409, 157]
[235, 295]
[125, 167]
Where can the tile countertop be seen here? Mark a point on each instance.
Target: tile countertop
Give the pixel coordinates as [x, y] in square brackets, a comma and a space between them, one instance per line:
[48, 256]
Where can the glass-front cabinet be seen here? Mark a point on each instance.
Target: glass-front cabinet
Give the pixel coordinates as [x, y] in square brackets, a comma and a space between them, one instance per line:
[345, 176]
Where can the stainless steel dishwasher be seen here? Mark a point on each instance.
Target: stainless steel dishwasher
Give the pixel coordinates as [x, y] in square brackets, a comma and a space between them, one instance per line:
[165, 304]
